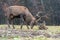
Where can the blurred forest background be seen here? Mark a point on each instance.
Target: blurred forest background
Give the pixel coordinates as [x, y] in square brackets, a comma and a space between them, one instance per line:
[51, 7]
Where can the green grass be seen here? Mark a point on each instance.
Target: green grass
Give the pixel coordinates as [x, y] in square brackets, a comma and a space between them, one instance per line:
[52, 29]
[36, 38]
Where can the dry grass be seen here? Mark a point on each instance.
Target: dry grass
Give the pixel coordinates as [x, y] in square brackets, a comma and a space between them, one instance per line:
[52, 29]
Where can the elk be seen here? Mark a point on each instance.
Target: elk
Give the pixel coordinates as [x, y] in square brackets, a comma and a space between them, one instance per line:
[15, 11]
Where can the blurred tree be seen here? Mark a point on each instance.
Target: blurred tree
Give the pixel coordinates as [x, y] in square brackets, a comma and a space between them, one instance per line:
[49, 6]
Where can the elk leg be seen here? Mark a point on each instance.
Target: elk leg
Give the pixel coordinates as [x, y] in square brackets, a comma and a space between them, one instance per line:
[26, 25]
[21, 21]
[12, 24]
[8, 23]
[31, 24]
[21, 26]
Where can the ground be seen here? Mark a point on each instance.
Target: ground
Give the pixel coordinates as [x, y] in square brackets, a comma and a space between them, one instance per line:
[52, 33]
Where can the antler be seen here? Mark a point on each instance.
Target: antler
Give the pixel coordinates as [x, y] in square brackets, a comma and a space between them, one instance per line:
[41, 16]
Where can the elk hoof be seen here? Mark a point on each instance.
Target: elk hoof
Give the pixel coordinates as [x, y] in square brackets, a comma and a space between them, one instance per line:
[28, 28]
[31, 27]
[21, 27]
[13, 27]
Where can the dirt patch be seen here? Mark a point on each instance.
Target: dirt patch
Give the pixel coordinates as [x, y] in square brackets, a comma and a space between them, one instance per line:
[29, 33]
